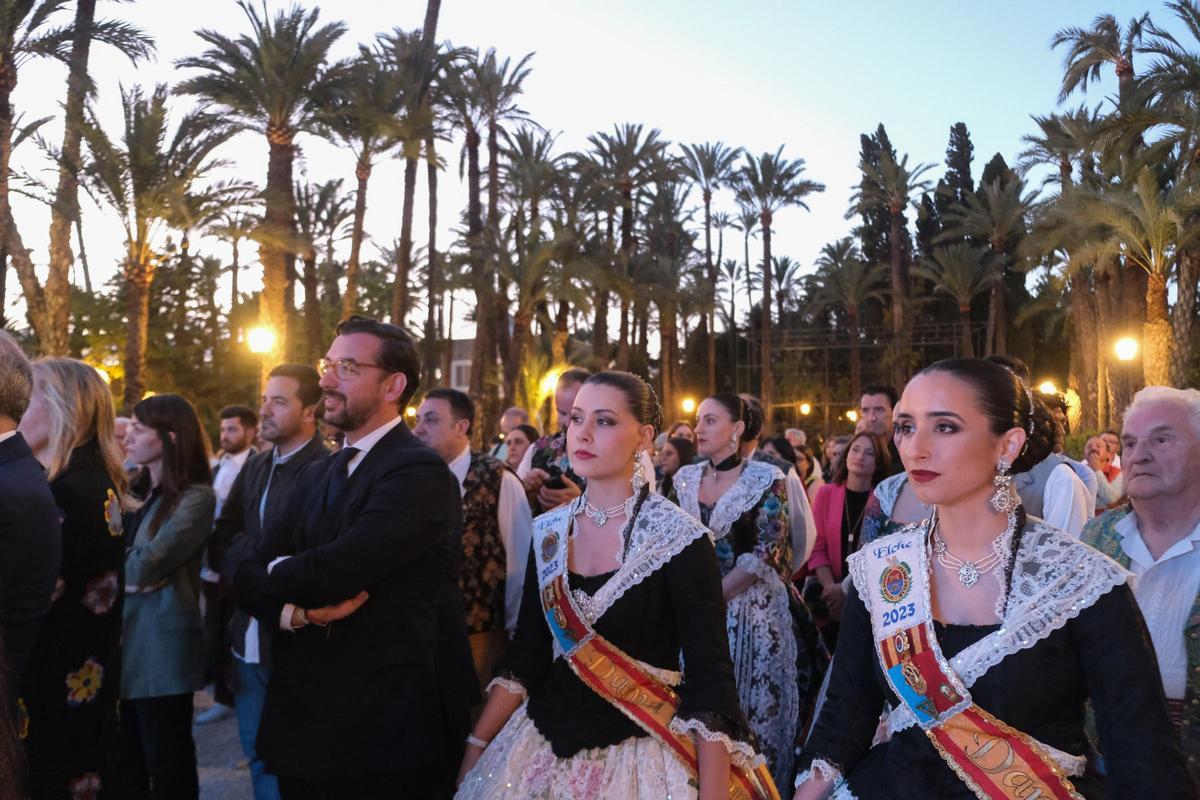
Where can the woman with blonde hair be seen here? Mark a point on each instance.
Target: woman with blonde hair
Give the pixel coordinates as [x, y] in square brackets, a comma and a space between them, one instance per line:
[71, 686]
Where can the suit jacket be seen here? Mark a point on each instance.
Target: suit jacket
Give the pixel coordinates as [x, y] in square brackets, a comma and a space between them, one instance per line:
[30, 553]
[827, 511]
[162, 648]
[237, 527]
[388, 687]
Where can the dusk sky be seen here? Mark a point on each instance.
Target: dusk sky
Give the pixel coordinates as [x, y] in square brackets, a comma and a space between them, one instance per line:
[810, 76]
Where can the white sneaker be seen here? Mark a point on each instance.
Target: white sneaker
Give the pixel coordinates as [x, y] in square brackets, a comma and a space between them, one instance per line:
[214, 713]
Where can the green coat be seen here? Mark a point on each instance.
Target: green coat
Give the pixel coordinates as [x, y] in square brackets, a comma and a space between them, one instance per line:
[163, 643]
[1102, 534]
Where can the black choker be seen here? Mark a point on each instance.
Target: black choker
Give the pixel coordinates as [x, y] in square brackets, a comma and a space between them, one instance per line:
[730, 463]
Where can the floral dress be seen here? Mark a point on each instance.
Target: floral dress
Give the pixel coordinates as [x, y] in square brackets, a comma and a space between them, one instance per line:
[68, 702]
[750, 526]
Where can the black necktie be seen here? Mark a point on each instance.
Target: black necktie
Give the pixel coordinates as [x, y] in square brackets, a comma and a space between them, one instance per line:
[340, 474]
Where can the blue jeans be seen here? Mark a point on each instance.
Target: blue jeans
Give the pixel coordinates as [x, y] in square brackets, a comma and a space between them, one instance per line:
[250, 692]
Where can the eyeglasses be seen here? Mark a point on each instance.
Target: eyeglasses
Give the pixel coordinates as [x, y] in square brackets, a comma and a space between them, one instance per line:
[344, 368]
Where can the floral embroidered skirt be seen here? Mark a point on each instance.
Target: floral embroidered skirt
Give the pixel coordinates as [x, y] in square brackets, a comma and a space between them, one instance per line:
[520, 764]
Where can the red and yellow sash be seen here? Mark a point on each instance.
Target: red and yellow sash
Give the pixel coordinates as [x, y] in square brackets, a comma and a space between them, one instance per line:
[996, 761]
[616, 677]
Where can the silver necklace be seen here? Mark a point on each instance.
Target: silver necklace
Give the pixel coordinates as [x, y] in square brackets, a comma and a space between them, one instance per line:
[601, 516]
[969, 572]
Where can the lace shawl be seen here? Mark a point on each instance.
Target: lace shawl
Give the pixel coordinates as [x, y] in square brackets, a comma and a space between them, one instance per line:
[756, 478]
[1055, 577]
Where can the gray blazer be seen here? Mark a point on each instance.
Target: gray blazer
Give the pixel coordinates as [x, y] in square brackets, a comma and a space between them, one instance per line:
[163, 643]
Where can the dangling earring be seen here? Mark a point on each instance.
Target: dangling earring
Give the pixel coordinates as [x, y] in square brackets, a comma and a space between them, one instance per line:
[1005, 499]
[639, 472]
[733, 442]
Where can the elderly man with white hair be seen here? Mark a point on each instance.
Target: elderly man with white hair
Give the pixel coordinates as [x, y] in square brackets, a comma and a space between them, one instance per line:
[1157, 536]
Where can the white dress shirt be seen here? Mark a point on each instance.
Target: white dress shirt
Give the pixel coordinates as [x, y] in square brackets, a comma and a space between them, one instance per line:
[1165, 590]
[800, 515]
[363, 445]
[1085, 474]
[9, 435]
[227, 469]
[1066, 503]
[516, 531]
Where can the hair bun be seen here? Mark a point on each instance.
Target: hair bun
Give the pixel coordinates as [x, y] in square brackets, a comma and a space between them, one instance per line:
[1040, 443]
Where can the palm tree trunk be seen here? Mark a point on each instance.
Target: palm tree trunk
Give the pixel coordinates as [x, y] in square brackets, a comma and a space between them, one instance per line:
[1183, 317]
[83, 259]
[404, 255]
[278, 217]
[623, 335]
[1083, 318]
[899, 296]
[362, 173]
[558, 343]
[625, 263]
[138, 316]
[667, 358]
[66, 198]
[234, 270]
[1157, 335]
[516, 355]
[432, 328]
[483, 347]
[855, 352]
[3, 285]
[767, 392]
[312, 311]
[710, 337]
[964, 319]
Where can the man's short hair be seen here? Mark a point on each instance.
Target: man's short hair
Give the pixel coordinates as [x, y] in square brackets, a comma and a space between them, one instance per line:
[574, 375]
[1188, 398]
[521, 415]
[397, 353]
[306, 376]
[245, 414]
[797, 433]
[461, 405]
[881, 388]
[16, 378]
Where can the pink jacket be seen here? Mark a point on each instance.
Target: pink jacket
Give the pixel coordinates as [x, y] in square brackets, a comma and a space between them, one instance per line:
[827, 511]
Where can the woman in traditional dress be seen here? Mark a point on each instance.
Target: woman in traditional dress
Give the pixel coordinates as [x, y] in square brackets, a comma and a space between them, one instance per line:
[891, 506]
[620, 584]
[980, 611]
[744, 504]
[72, 684]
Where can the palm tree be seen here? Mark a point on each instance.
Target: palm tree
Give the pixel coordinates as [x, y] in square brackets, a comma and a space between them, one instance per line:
[271, 81]
[668, 252]
[892, 185]
[1088, 50]
[1145, 222]
[848, 283]
[368, 119]
[962, 272]
[235, 225]
[321, 211]
[710, 165]
[631, 159]
[998, 215]
[136, 46]
[731, 273]
[786, 273]
[144, 176]
[768, 184]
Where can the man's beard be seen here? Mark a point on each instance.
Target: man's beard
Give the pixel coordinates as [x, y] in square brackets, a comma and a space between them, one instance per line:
[347, 418]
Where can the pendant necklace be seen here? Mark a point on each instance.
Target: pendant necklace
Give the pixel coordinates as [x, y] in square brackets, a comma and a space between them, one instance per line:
[601, 516]
[969, 572]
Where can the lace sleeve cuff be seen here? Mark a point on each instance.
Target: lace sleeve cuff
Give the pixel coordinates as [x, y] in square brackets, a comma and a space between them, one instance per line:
[820, 769]
[509, 685]
[740, 751]
[753, 563]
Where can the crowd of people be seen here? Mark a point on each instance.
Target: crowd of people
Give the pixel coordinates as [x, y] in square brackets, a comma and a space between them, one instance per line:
[942, 604]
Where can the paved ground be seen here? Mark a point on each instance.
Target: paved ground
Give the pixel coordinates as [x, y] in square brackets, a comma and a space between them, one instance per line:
[223, 772]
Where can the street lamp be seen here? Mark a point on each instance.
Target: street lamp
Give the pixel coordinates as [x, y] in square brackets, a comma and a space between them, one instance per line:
[688, 405]
[410, 412]
[1126, 348]
[260, 340]
[852, 415]
[806, 409]
[1047, 387]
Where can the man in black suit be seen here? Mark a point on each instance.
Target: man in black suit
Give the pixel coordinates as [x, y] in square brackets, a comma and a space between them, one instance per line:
[30, 532]
[262, 488]
[372, 676]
